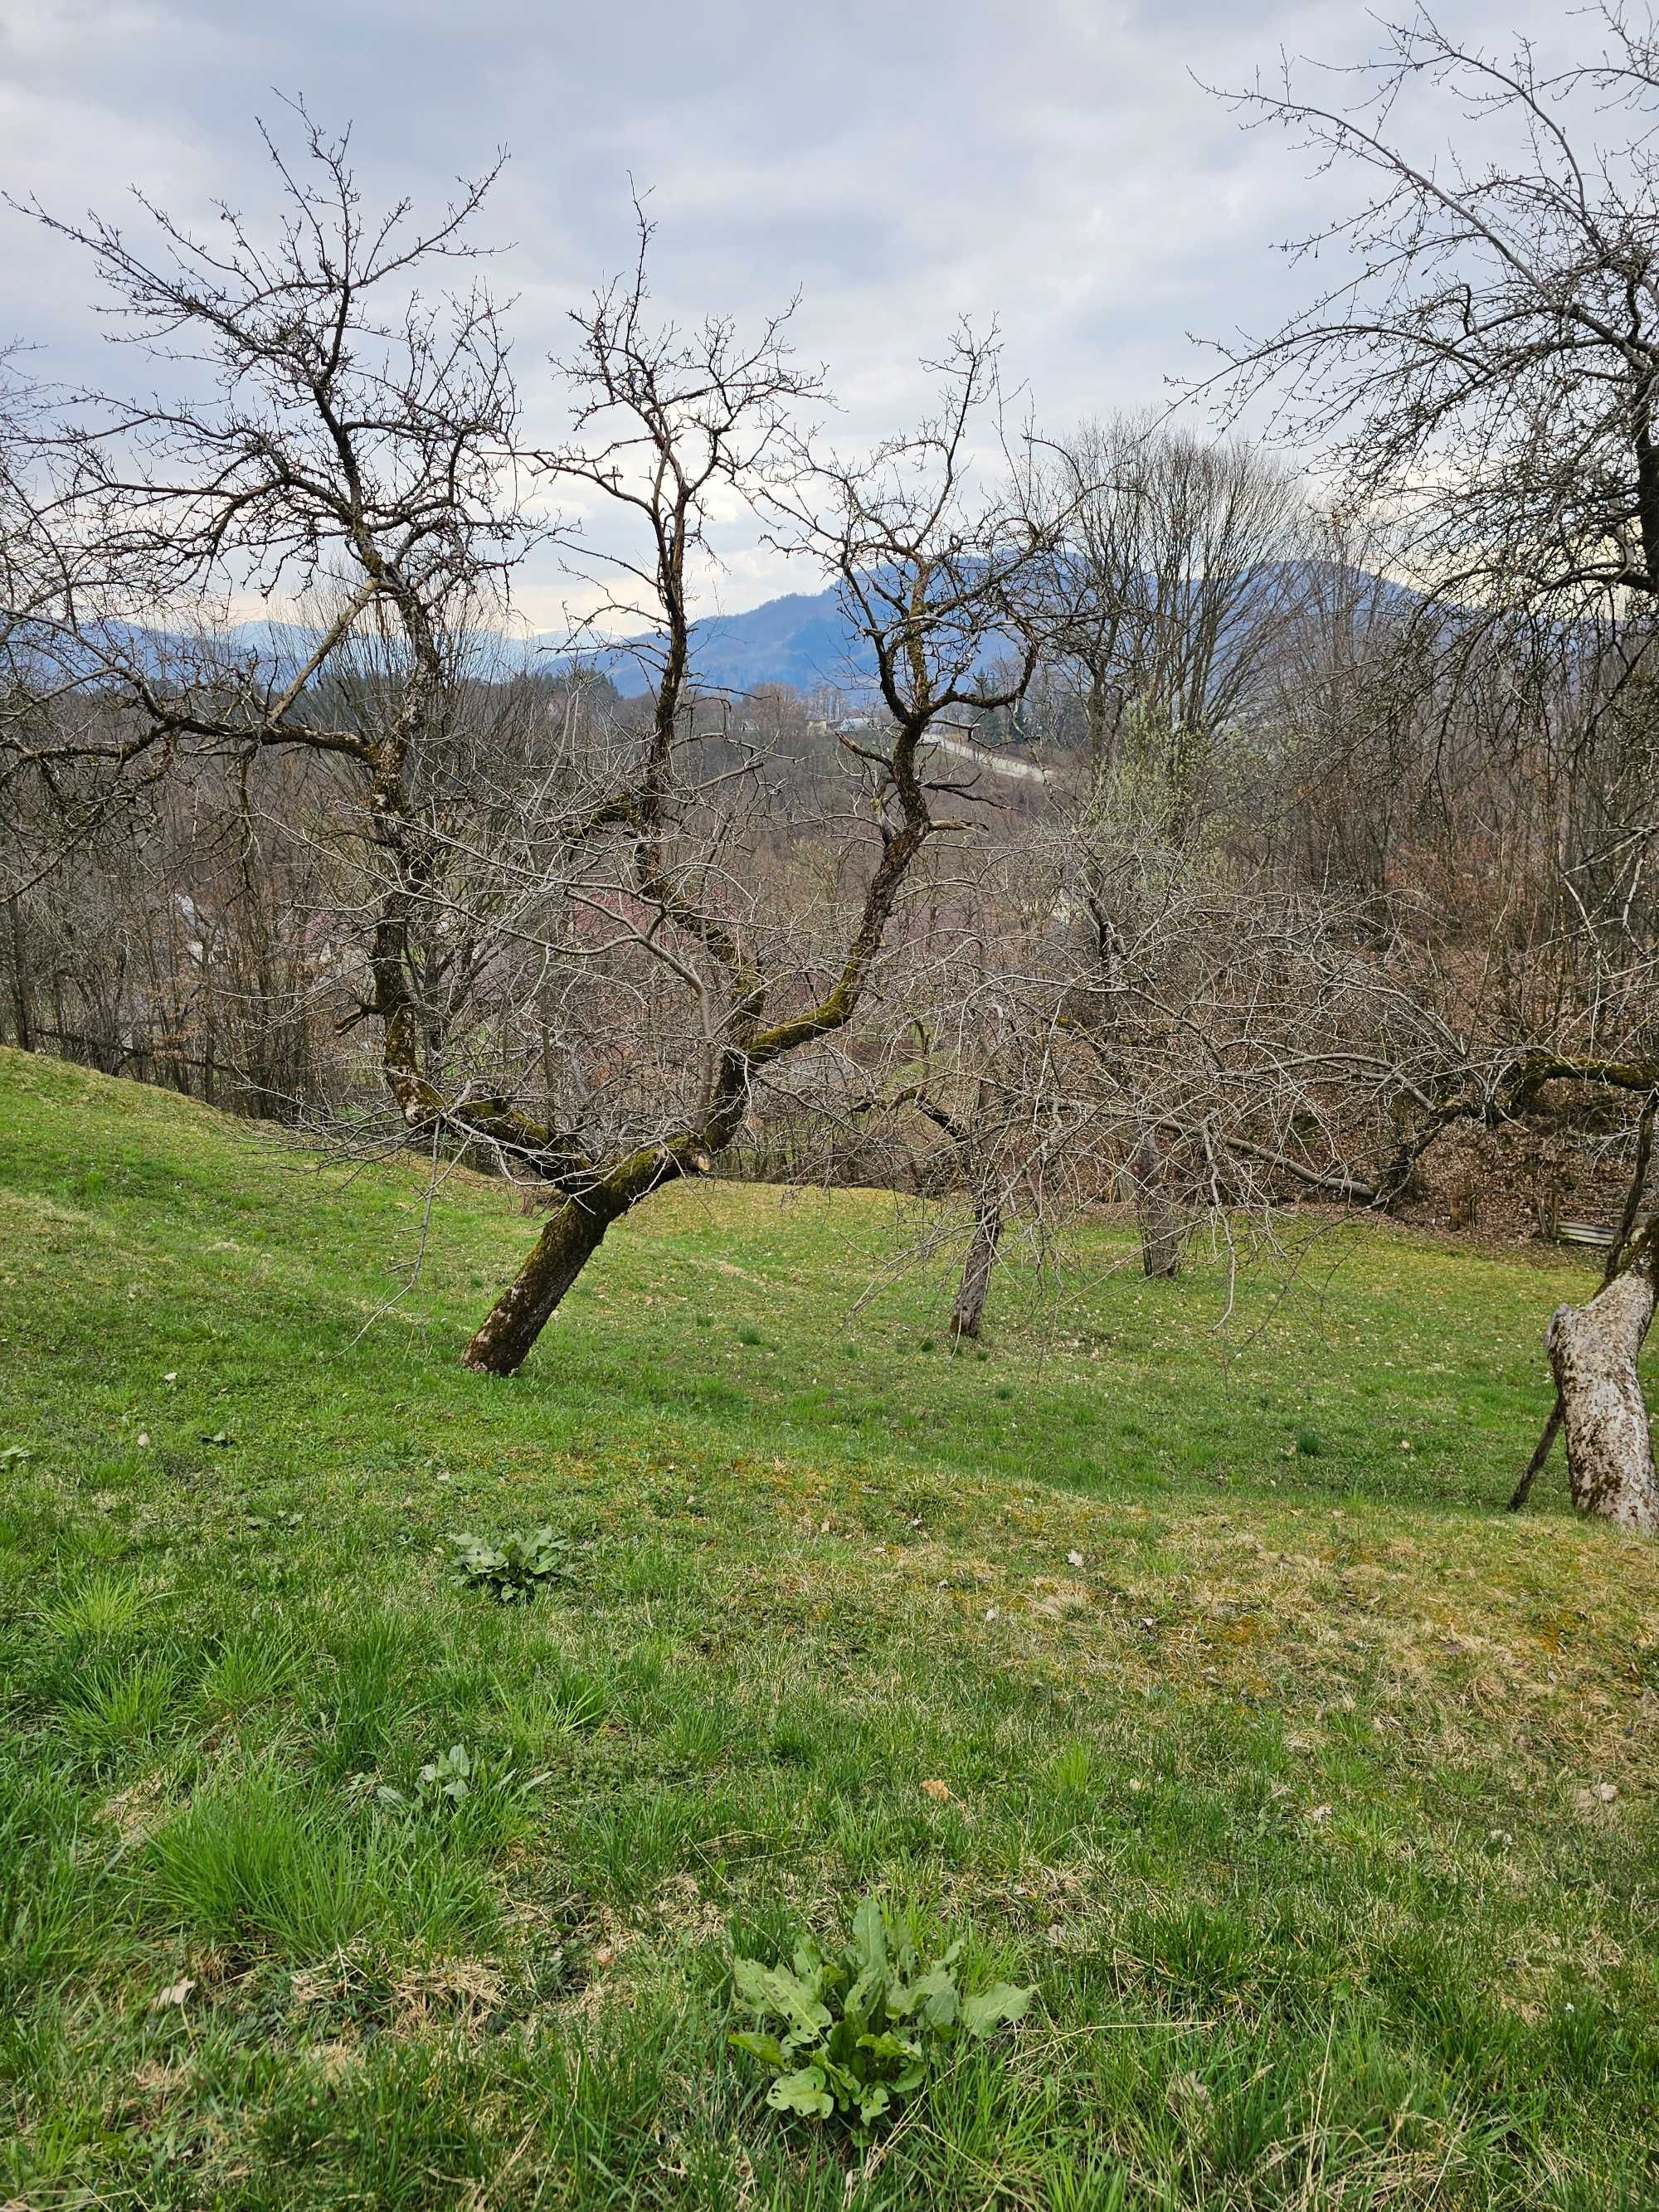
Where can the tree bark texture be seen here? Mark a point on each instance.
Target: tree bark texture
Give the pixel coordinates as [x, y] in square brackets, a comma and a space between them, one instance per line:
[1593, 1350]
[1621, 1239]
[970, 1307]
[572, 1236]
[20, 981]
[1155, 1212]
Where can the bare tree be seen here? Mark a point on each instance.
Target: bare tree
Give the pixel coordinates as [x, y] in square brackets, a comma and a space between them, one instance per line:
[1593, 1351]
[1185, 566]
[665, 421]
[336, 436]
[988, 1084]
[931, 579]
[601, 888]
[1485, 359]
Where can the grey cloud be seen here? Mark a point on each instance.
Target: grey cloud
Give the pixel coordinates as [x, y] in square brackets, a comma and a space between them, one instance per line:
[1053, 162]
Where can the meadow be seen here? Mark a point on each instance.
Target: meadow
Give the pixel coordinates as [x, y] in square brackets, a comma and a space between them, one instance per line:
[1196, 1676]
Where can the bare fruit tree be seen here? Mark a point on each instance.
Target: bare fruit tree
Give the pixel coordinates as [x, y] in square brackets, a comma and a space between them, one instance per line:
[1486, 358]
[604, 884]
[334, 439]
[665, 420]
[935, 580]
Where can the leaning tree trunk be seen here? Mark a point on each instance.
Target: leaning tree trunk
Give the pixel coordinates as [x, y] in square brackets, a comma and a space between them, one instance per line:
[970, 1308]
[1593, 1350]
[566, 1243]
[571, 1238]
[1155, 1210]
[503, 1339]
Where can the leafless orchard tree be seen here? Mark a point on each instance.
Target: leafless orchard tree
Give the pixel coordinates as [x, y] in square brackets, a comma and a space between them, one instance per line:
[974, 1059]
[933, 578]
[1120, 1010]
[1229, 1025]
[1485, 361]
[1184, 566]
[353, 444]
[665, 421]
[1483, 371]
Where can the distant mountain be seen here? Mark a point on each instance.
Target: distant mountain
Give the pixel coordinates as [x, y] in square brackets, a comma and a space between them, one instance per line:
[802, 640]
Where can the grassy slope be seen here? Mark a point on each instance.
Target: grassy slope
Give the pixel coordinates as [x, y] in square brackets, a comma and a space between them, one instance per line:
[1287, 1795]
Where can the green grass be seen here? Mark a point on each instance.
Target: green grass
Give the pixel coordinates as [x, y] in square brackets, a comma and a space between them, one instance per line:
[1288, 1796]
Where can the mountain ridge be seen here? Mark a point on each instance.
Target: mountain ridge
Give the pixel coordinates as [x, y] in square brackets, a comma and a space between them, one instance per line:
[801, 639]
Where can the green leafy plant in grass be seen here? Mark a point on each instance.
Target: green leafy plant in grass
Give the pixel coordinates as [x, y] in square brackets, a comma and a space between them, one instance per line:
[516, 1568]
[443, 1781]
[854, 2033]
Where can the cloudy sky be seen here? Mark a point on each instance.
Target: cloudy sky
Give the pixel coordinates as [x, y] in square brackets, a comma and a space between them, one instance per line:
[1053, 162]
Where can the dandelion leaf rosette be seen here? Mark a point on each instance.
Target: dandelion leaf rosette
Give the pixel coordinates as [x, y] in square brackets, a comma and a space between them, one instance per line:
[855, 2033]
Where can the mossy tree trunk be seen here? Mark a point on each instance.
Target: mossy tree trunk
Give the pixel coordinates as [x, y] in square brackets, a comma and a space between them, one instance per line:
[503, 1339]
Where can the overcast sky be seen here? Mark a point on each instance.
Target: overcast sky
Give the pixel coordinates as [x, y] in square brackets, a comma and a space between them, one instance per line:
[1050, 161]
